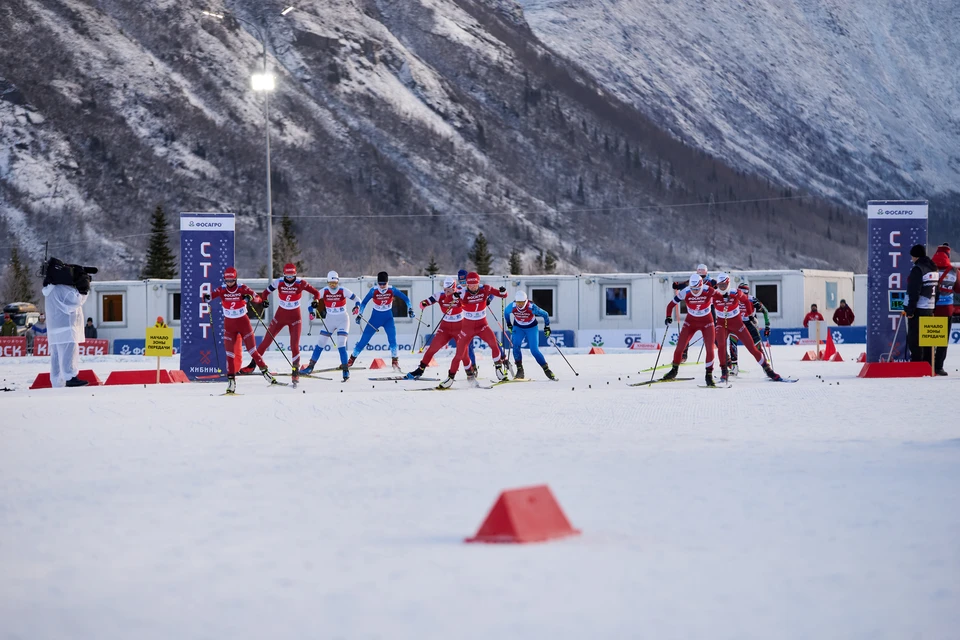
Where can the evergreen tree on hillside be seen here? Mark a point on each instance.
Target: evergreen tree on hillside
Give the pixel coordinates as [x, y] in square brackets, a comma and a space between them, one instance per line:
[19, 284]
[286, 248]
[480, 255]
[433, 268]
[161, 263]
[538, 262]
[550, 263]
[516, 263]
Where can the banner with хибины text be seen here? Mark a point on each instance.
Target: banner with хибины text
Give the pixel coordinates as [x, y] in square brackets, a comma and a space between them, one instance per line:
[893, 227]
[206, 249]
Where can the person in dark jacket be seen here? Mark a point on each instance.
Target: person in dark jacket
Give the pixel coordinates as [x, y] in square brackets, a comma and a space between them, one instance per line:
[921, 299]
[9, 328]
[843, 316]
[89, 331]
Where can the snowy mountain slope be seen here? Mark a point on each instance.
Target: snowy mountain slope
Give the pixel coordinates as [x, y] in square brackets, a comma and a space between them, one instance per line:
[399, 130]
[852, 100]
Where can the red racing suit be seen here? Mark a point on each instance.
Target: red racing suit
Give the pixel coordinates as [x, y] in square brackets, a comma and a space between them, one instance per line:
[699, 318]
[474, 305]
[730, 307]
[236, 324]
[288, 314]
[450, 326]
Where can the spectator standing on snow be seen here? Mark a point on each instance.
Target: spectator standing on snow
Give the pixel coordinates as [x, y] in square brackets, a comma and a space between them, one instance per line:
[37, 330]
[921, 299]
[843, 316]
[9, 328]
[813, 316]
[90, 331]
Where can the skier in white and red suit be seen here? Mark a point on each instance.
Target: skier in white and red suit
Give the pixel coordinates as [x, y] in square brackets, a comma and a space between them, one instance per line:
[450, 325]
[474, 303]
[727, 301]
[699, 300]
[289, 290]
[234, 297]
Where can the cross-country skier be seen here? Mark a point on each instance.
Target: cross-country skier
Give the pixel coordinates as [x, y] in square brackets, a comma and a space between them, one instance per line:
[704, 274]
[748, 313]
[234, 297]
[727, 301]
[331, 306]
[474, 302]
[449, 328]
[521, 323]
[382, 316]
[289, 290]
[699, 300]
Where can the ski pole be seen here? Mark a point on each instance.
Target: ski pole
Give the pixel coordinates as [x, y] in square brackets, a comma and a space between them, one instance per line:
[895, 335]
[439, 324]
[273, 337]
[360, 317]
[659, 351]
[557, 347]
[417, 334]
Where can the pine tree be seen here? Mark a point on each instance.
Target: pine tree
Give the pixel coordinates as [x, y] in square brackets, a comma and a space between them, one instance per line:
[550, 263]
[480, 255]
[286, 248]
[160, 261]
[19, 283]
[516, 263]
[433, 268]
[538, 262]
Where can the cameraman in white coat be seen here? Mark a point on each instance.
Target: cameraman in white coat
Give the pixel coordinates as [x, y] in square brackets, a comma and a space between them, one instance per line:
[64, 308]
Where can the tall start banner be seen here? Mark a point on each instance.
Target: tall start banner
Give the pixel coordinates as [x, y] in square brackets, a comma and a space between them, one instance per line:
[893, 226]
[206, 249]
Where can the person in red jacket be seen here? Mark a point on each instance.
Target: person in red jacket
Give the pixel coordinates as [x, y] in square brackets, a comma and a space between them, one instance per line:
[947, 285]
[473, 301]
[234, 298]
[698, 297]
[813, 316]
[843, 316]
[449, 328]
[289, 290]
[727, 301]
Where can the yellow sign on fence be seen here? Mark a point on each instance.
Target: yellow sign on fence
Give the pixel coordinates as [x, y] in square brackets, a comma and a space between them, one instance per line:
[934, 332]
[159, 342]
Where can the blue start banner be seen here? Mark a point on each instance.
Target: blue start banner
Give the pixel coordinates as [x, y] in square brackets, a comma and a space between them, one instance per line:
[206, 249]
[893, 226]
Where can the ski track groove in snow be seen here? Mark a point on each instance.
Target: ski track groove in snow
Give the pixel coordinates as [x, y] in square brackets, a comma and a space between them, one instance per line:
[761, 511]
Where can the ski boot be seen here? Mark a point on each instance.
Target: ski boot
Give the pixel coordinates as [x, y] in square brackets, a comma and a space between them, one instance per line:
[250, 368]
[396, 365]
[231, 385]
[548, 373]
[734, 369]
[520, 373]
[501, 370]
[773, 375]
[295, 376]
[670, 375]
[307, 370]
[709, 378]
[346, 374]
[418, 372]
[77, 382]
[265, 372]
[350, 362]
[685, 353]
[723, 375]
[446, 384]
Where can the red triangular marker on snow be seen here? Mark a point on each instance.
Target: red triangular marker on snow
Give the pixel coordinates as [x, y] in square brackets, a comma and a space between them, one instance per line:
[530, 514]
[378, 363]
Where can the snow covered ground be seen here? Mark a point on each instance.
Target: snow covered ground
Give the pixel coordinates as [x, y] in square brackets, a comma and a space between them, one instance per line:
[822, 509]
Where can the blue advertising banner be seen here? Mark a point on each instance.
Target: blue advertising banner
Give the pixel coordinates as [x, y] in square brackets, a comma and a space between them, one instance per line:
[137, 347]
[841, 335]
[893, 226]
[206, 249]
[562, 338]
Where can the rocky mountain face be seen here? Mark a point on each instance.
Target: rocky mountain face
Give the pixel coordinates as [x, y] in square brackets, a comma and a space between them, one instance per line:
[399, 130]
[849, 100]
